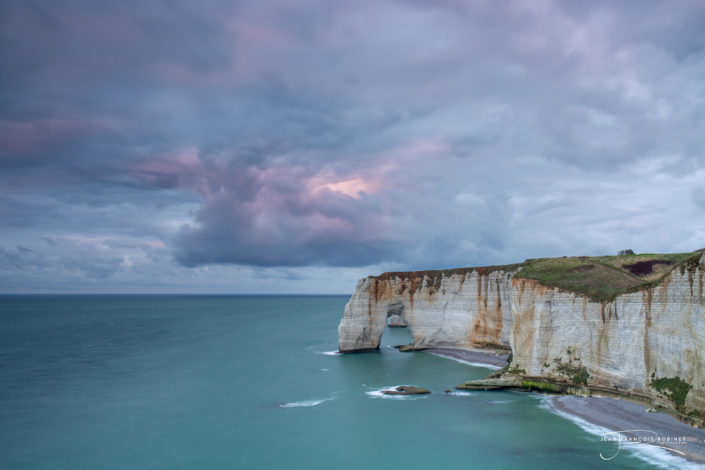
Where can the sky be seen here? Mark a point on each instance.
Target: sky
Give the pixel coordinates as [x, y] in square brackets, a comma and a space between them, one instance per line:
[294, 146]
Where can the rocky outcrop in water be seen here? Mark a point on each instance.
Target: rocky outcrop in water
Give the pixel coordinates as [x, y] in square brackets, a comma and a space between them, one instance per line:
[407, 390]
[648, 344]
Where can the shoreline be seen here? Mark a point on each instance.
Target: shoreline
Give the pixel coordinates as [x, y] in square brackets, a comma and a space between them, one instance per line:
[656, 430]
[608, 417]
[470, 357]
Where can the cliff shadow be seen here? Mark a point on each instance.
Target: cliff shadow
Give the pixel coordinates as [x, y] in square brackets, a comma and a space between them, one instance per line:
[396, 331]
[395, 315]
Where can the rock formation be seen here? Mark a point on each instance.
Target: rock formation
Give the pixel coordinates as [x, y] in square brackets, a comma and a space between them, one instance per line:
[407, 390]
[647, 343]
[394, 316]
[467, 308]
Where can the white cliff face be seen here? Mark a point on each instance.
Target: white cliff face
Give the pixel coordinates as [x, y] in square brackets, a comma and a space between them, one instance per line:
[362, 325]
[623, 345]
[462, 310]
[397, 321]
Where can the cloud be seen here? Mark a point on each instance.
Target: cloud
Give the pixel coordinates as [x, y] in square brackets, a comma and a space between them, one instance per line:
[312, 135]
[287, 215]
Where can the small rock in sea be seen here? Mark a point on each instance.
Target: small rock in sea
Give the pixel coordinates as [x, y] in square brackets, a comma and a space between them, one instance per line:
[447, 391]
[650, 410]
[407, 390]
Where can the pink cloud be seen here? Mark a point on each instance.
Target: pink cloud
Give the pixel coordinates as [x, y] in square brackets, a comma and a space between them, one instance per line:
[30, 135]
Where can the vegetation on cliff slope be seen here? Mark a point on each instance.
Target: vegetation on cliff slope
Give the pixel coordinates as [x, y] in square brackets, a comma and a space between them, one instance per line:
[603, 278]
[600, 278]
[674, 388]
[573, 370]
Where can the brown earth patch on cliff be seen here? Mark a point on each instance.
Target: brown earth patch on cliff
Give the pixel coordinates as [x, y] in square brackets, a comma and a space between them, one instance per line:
[648, 267]
[644, 268]
[487, 327]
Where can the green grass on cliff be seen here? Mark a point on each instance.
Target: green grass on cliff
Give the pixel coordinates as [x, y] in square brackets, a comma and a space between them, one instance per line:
[603, 278]
[600, 278]
[675, 388]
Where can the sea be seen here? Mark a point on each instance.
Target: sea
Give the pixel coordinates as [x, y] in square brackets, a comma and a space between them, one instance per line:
[254, 382]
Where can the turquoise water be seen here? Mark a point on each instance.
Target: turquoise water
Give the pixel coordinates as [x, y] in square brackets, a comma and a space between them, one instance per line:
[201, 382]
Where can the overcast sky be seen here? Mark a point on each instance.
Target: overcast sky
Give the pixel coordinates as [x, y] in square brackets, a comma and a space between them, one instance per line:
[293, 146]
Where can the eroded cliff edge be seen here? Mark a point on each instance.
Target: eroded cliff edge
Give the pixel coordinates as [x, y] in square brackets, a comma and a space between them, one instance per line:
[461, 308]
[642, 336]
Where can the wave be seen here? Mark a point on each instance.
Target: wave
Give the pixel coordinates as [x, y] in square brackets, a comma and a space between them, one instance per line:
[460, 393]
[470, 363]
[316, 348]
[649, 453]
[378, 394]
[296, 404]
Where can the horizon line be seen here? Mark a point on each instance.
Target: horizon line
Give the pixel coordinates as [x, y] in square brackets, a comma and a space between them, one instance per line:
[176, 293]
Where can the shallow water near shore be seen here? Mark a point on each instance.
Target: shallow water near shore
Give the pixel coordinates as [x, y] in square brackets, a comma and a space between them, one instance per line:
[183, 382]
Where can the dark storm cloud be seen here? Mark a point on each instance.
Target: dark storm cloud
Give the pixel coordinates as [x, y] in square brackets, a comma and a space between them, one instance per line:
[300, 133]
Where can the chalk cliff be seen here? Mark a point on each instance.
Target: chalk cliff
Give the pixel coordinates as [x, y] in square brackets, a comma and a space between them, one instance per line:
[648, 344]
[463, 308]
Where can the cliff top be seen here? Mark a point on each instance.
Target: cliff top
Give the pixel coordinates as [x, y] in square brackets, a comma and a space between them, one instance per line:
[600, 278]
[603, 278]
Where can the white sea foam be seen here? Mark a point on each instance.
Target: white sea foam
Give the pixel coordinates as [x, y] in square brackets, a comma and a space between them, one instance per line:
[296, 404]
[646, 452]
[378, 394]
[500, 402]
[317, 348]
[460, 393]
[470, 363]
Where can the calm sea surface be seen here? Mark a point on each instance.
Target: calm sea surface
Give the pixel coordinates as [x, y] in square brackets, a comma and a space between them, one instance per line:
[208, 382]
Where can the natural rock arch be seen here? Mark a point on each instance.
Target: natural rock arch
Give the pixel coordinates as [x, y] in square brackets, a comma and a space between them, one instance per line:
[395, 315]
